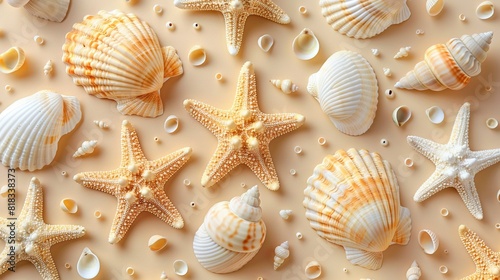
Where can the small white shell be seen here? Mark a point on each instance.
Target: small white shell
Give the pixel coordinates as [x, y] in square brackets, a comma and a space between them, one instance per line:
[11, 60]
[180, 267]
[403, 52]
[375, 52]
[428, 240]
[434, 7]
[197, 55]
[4, 191]
[87, 147]
[498, 196]
[401, 115]
[387, 72]
[313, 270]
[435, 114]
[38, 39]
[281, 252]
[68, 205]
[485, 10]
[305, 45]
[130, 270]
[285, 214]
[389, 93]
[286, 86]
[492, 123]
[171, 124]
[265, 42]
[88, 265]
[47, 69]
[444, 212]
[414, 272]
[163, 275]
[157, 242]
[101, 124]
[443, 269]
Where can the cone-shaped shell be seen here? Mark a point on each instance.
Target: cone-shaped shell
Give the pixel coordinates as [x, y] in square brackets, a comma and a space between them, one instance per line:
[352, 200]
[346, 89]
[363, 18]
[450, 65]
[32, 126]
[281, 252]
[117, 56]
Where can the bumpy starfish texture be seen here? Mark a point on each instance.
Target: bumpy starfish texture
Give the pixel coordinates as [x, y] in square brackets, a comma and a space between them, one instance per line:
[456, 164]
[487, 262]
[137, 184]
[30, 238]
[243, 132]
[235, 14]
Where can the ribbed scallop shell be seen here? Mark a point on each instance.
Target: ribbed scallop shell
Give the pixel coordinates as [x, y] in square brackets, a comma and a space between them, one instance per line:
[363, 19]
[352, 200]
[117, 56]
[53, 10]
[346, 89]
[450, 65]
[231, 234]
[32, 126]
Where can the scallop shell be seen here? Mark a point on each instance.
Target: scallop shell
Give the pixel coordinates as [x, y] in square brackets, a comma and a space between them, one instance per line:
[88, 265]
[363, 19]
[157, 242]
[414, 272]
[117, 56]
[281, 252]
[434, 7]
[305, 45]
[53, 10]
[231, 234]
[32, 126]
[352, 200]
[346, 89]
[450, 65]
[11, 60]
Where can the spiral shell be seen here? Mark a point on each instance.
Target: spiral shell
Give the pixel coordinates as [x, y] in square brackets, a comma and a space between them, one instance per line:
[117, 56]
[87, 147]
[450, 65]
[48, 68]
[281, 252]
[414, 272]
[286, 86]
[352, 200]
[232, 233]
[53, 10]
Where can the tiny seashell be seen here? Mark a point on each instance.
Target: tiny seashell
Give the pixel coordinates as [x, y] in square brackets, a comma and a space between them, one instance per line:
[286, 86]
[54, 10]
[444, 269]
[265, 42]
[435, 114]
[157, 242]
[492, 123]
[387, 72]
[414, 272]
[281, 252]
[171, 124]
[68, 205]
[375, 52]
[11, 60]
[401, 115]
[285, 214]
[434, 7]
[88, 265]
[197, 56]
[101, 124]
[163, 275]
[180, 267]
[305, 45]
[312, 270]
[389, 93]
[498, 196]
[130, 270]
[428, 240]
[47, 69]
[4, 191]
[38, 39]
[485, 10]
[403, 52]
[87, 147]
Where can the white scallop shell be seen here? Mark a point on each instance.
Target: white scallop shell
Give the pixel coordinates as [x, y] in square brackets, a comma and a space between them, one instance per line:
[157, 242]
[88, 265]
[312, 270]
[32, 126]
[265, 42]
[401, 115]
[197, 55]
[346, 89]
[53, 10]
[428, 240]
[281, 252]
[363, 18]
[286, 86]
[435, 114]
[11, 60]
[305, 45]
[485, 10]
[69, 205]
[87, 147]
[414, 272]
[434, 7]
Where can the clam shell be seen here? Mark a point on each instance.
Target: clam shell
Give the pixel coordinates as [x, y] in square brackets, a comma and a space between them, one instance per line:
[305, 45]
[265, 42]
[346, 89]
[435, 114]
[157, 242]
[171, 124]
[352, 200]
[32, 126]
[428, 240]
[401, 115]
[11, 60]
[363, 18]
[434, 7]
[116, 56]
[197, 55]
[485, 10]
[312, 270]
[88, 264]
[69, 205]
[180, 267]
[53, 10]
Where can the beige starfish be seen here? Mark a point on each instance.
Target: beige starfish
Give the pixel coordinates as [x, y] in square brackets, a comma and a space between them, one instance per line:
[29, 238]
[243, 132]
[487, 262]
[137, 184]
[235, 14]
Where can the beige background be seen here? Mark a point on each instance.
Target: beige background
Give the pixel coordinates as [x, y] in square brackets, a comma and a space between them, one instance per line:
[199, 83]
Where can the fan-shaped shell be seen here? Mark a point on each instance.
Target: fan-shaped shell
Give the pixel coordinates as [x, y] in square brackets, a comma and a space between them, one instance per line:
[352, 200]
[32, 126]
[117, 56]
[363, 18]
[346, 89]
[53, 10]
[450, 65]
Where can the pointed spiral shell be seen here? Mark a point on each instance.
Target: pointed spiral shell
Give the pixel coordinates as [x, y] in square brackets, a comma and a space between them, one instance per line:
[281, 252]
[414, 272]
[286, 86]
[87, 147]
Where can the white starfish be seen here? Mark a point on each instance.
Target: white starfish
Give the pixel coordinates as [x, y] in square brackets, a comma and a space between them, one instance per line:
[456, 164]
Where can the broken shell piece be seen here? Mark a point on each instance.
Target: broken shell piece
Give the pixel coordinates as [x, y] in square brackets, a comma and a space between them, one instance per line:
[281, 252]
[87, 147]
[88, 265]
[171, 124]
[47, 69]
[157, 242]
[265, 42]
[403, 52]
[401, 115]
[285, 214]
[414, 272]
[485, 10]
[4, 191]
[305, 45]
[492, 123]
[11, 60]
[434, 7]
[68, 205]
[435, 114]
[197, 55]
[375, 52]
[387, 72]
[498, 196]
[101, 124]
[313, 270]
[286, 86]
[428, 240]
[180, 267]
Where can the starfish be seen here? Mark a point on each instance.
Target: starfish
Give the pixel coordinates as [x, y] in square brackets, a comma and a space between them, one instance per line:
[243, 132]
[487, 262]
[456, 164]
[137, 184]
[235, 14]
[29, 238]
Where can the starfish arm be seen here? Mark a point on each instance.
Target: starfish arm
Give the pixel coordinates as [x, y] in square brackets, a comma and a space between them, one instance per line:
[483, 257]
[52, 234]
[131, 150]
[167, 166]
[33, 202]
[435, 183]
[124, 217]
[202, 5]
[104, 181]
[279, 124]
[460, 132]
[223, 160]
[484, 159]
[235, 25]
[427, 148]
[468, 193]
[4, 229]
[261, 163]
[210, 117]
[4, 259]
[44, 263]
[269, 10]
[246, 90]
[164, 209]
